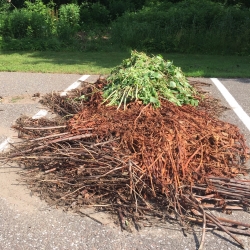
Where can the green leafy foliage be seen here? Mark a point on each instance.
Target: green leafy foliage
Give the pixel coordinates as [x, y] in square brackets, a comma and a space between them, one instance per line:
[190, 26]
[94, 13]
[148, 79]
[183, 26]
[4, 6]
[36, 6]
[70, 14]
[33, 21]
[68, 23]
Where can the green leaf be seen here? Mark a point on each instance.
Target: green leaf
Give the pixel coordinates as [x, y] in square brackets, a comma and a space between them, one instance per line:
[172, 84]
[81, 97]
[153, 99]
[157, 75]
[148, 79]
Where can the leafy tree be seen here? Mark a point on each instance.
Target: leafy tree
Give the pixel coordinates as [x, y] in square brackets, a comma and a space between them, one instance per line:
[5, 5]
[243, 3]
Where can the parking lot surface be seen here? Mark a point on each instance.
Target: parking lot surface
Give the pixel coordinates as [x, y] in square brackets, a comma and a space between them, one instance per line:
[28, 223]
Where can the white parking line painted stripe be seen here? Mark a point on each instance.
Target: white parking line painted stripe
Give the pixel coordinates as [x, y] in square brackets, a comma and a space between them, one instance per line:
[41, 113]
[75, 84]
[233, 103]
[5, 144]
[83, 78]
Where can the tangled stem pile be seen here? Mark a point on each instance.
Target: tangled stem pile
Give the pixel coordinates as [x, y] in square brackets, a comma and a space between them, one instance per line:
[142, 159]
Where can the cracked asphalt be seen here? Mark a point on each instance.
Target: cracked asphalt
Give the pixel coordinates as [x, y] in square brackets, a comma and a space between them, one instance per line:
[28, 223]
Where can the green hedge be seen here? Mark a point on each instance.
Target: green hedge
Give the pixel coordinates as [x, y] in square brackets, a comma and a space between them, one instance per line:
[38, 27]
[188, 26]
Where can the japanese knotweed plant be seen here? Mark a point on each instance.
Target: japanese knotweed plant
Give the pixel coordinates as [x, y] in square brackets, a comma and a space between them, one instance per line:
[148, 79]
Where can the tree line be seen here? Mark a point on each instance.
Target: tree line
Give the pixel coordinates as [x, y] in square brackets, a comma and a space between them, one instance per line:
[183, 26]
[122, 5]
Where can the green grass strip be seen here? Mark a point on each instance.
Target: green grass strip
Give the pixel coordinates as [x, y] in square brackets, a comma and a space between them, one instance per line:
[103, 62]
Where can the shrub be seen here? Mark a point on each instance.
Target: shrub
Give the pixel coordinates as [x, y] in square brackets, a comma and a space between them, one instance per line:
[37, 27]
[34, 21]
[118, 7]
[32, 44]
[68, 23]
[4, 6]
[187, 26]
[93, 14]
[70, 14]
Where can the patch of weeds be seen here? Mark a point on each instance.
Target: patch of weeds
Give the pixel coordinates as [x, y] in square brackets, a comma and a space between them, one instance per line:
[16, 99]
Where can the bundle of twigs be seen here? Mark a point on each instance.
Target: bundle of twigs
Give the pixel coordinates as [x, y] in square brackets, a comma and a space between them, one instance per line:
[138, 161]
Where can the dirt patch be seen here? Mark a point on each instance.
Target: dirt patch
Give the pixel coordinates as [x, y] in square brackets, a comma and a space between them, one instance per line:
[15, 193]
[7, 132]
[20, 99]
[12, 190]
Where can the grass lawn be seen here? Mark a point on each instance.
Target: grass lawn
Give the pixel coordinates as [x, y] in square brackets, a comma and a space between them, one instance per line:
[103, 62]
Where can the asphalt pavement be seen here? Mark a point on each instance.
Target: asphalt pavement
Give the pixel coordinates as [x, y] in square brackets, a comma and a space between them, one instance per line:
[28, 223]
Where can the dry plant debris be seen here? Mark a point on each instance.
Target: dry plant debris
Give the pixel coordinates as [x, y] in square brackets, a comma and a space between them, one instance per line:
[137, 162]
